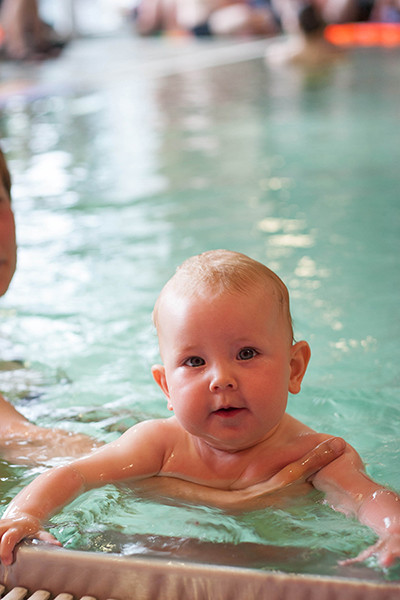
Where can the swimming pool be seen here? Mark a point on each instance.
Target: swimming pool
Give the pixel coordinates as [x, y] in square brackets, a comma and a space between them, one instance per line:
[151, 155]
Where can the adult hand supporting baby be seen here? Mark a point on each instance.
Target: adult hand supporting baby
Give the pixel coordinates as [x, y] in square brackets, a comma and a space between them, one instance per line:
[300, 470]
[252, 497]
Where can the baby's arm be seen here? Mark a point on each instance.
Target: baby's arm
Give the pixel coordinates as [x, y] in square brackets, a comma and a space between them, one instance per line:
[137, 454]
[35, 504]
[349, 490]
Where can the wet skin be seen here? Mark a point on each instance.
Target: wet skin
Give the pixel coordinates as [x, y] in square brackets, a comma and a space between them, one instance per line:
[8, 244]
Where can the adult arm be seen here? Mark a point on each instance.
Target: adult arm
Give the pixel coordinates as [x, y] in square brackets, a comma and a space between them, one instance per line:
[9, 416]
[23, 442]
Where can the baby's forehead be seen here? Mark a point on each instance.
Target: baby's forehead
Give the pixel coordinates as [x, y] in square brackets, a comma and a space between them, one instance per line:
[178, 296]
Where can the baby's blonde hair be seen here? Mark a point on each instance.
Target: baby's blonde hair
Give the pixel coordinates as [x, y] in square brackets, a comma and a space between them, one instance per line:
[225, 271]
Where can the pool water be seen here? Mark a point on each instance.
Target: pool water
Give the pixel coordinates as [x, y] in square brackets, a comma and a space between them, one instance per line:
[119, 179]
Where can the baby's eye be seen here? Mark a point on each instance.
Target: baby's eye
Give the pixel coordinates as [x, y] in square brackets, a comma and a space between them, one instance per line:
[195, 361]
[247, 353]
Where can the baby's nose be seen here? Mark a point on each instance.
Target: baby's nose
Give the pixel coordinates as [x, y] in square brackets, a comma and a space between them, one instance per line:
[222, 380]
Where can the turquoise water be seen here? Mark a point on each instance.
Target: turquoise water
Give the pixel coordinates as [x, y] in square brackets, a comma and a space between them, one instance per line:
[116, 185]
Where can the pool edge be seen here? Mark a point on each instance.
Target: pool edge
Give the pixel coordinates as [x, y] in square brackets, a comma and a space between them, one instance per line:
[127, 578]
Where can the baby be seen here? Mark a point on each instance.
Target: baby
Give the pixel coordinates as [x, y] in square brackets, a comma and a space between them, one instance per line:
[23, 442]
[229, 360]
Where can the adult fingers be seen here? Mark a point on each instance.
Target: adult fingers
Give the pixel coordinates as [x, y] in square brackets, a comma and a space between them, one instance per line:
[321, 455]
[310, 463]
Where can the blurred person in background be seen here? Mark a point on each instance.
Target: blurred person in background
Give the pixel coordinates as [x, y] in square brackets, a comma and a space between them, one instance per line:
[24, 35]
[386, 11]
[205, 17]
[300, 15]
[252, 17]
[305, 23]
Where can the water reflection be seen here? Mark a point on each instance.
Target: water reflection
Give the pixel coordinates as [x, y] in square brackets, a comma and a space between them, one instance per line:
[120, 182]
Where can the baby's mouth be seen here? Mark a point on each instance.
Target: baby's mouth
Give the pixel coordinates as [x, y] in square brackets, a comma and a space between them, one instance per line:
[228, 411]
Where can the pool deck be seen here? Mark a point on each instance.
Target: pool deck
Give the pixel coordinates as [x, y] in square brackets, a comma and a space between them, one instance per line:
[88, 64]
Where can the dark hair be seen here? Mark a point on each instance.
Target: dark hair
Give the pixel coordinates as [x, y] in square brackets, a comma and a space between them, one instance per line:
[310, 20]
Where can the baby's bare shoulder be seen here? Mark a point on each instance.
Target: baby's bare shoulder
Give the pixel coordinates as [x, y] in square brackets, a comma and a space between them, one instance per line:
[159, 432]
[295, 439]
[301, 439]
[167, 426]
[294, 431]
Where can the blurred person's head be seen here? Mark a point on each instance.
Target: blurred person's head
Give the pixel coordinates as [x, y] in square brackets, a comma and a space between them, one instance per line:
[8, 244]
[310, 20]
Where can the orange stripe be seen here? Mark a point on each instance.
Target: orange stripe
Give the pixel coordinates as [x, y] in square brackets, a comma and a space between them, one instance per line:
[364, 34]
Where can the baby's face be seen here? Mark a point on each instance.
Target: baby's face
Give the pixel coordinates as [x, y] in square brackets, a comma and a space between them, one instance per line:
[227, 365]
[8, 247]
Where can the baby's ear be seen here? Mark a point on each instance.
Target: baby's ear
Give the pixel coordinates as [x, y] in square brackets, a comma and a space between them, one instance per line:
[158, 372]
[300, 356]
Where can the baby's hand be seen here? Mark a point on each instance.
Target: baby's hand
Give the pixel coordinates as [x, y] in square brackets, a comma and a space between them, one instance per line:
[387, 551]
[13, 530]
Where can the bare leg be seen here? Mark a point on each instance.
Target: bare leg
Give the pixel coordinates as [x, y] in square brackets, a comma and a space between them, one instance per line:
[25, 34]
[150, 17]
[20, 21]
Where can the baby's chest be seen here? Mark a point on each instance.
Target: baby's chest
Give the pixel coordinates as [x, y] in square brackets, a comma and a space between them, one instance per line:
[230, 471]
